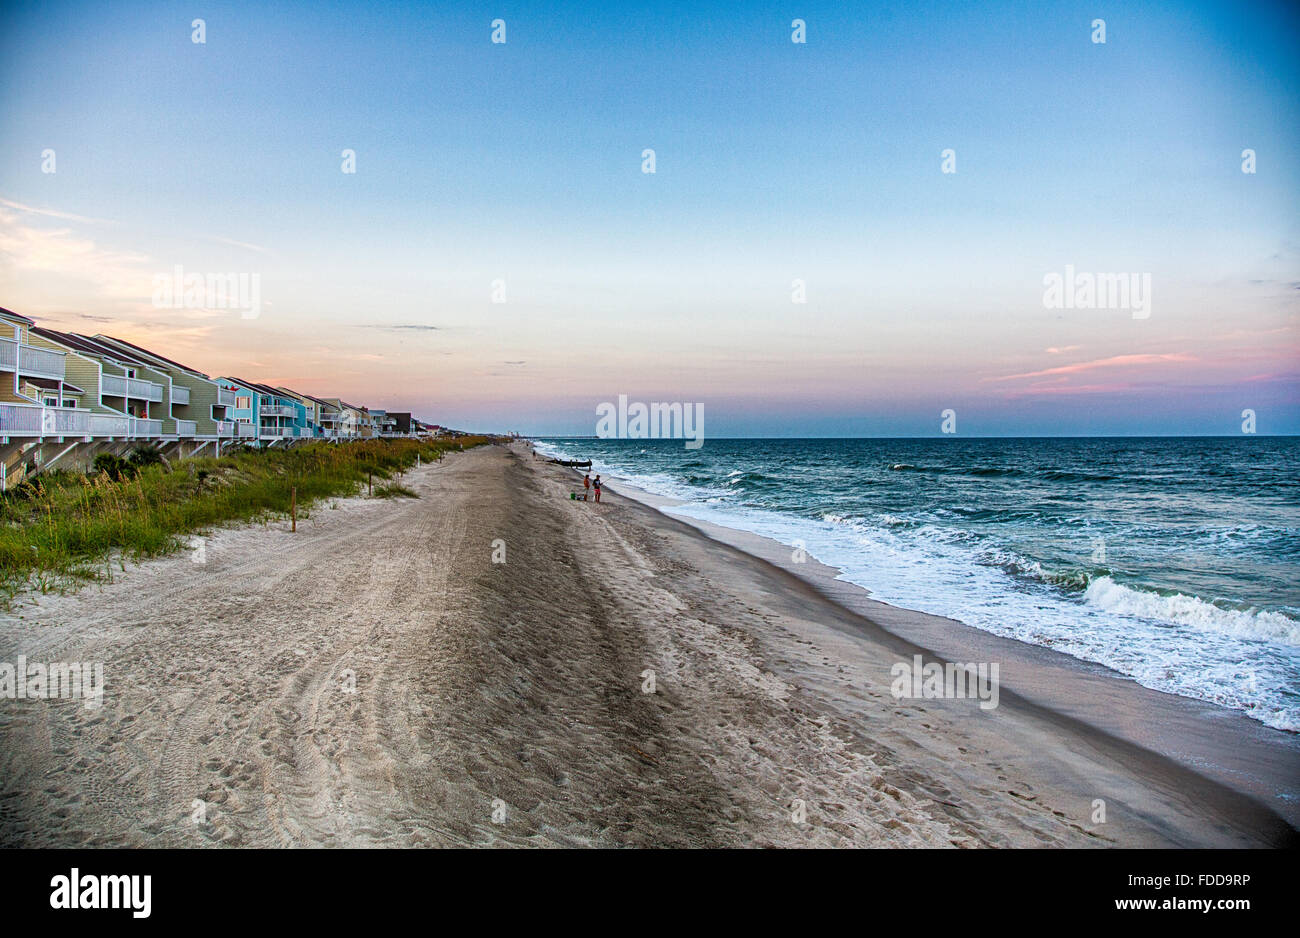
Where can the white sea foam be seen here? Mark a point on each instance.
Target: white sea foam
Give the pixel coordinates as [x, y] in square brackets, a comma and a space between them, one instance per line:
[1175, 643]
[1190, 610]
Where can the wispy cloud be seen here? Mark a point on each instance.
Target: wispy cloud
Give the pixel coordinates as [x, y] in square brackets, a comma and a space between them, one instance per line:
[51, 213]
[397, 327]
[28, 249]
[1065, 390]
[1115, 361]
[239, 244]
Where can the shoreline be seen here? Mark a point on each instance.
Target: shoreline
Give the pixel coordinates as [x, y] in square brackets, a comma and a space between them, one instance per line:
[1223, 745]
[493, 664]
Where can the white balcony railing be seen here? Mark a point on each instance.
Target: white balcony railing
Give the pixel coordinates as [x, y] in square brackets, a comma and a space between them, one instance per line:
[35, 420]
[141, 426]
[37, 362]
[118, 386]
[112, 386]
[277, 410]
[109, 425]
[279, 431]
[41, 362]
[244, 430]
[225, 397]
[180, 394]
[186, 428]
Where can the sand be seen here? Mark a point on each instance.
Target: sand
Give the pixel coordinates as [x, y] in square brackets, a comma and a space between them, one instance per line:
[375, 679]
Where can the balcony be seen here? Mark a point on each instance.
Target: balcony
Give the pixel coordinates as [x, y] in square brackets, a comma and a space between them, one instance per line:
[141, 426]
[109, 425]
[31, 361]
[279, 431]
[180, 394]
[225, 397]
[186, 428]
[118, 386]
[245, 430]
[277, 410]
[35, 420]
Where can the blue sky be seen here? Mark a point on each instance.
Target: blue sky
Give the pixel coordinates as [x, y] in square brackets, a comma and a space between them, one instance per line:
[775, 161]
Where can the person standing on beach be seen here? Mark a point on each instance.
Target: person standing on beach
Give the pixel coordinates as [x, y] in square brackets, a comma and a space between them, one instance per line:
[586, 485]
[596, 486]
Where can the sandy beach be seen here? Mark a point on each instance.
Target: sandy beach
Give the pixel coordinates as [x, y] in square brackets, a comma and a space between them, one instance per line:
[377, 679]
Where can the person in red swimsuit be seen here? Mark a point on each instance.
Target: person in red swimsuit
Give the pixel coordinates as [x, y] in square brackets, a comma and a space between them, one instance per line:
[596, 486]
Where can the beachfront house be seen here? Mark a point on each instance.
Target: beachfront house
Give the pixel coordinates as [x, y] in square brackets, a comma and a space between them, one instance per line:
[56, 384]
[33, 385]
[275, 415]
[325, 418]
[123, 396]
[329, 417]
[402, 423]
[365, 422]
[196, 404]
[348, 421]
[384, 424]
[311, 411]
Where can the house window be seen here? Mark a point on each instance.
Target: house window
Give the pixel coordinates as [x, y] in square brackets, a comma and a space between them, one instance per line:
[243, 402]
[69, 402]
[51, 401]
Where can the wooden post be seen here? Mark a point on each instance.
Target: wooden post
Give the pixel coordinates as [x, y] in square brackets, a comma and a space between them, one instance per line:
[370, 482]
[293, 507]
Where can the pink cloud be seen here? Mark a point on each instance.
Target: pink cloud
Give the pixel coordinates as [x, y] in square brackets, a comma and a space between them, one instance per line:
[1115, 361]
[1038, 390]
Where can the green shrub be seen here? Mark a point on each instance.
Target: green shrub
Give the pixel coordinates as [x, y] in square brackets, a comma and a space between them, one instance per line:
[115, 467]
[143, 456]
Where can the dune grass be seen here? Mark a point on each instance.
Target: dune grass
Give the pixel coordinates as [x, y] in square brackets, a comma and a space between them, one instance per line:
[64, 527]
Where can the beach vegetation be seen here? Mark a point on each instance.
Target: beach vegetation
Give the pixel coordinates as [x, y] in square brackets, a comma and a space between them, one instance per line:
[60, 528]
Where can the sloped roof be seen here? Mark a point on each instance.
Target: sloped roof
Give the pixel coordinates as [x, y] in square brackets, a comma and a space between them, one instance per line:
[253, 385]
[161, 358]
[18, 316]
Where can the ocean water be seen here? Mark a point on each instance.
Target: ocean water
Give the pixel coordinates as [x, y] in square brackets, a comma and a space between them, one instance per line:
[1173, 561]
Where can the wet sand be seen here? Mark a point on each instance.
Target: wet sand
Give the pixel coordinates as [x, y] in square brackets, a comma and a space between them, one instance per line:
[376, 679]
[1226, 746]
